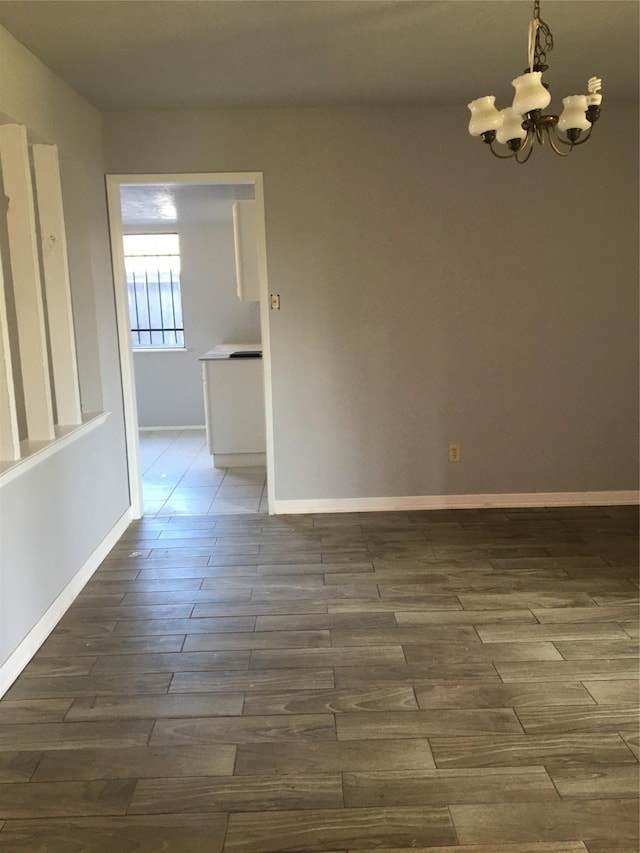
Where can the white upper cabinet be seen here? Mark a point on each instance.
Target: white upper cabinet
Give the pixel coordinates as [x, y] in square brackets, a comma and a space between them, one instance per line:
[245, 229]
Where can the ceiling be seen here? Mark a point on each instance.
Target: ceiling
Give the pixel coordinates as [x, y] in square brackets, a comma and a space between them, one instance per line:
[181, 54]
[171, 203]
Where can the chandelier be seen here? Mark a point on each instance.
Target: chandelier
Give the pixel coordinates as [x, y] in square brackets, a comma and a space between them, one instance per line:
[521, 125]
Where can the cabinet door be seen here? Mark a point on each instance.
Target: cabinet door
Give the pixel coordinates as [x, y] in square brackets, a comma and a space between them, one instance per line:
[245, 230]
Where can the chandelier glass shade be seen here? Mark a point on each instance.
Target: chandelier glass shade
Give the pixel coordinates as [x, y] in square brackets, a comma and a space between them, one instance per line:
[519, 127]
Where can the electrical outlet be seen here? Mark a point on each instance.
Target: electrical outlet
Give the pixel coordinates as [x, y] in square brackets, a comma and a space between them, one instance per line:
[454, 453]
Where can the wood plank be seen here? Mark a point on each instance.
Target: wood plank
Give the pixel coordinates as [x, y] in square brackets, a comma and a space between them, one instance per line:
[110, 645]
[551, 631]
[566, 820]
[237, 794]
[392, 605]
[441, 787]
[594, 718]
[303, 658]
[200, 834]
[243, 729]
[517, 750]
[45, 667]
[613, 692]
[285, 608]
[414, 635]
[275, 680]
[380, 698]
[80, 613]
[481, 652]
[66, 799]
[365, 725]
[18, 766]
[258, 640]
[152, 707]
[160, 627]
[171, 662]
[331, 829]
[610, 613]
[88, 685]
[593, 649]
[326, 621]
[34, 710]
[414, 674]
[135, 762]
[616, 781]
[526, 600]
[532, 847]
[463, 617]
[333, 756]
[466, 695]
[50, 735]
[568, 670]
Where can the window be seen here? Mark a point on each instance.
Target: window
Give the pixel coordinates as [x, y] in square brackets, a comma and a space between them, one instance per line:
[152, 264]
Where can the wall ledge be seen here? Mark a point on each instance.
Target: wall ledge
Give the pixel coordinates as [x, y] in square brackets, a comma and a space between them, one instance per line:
[419, 502]
[35, 452]
[21, 656]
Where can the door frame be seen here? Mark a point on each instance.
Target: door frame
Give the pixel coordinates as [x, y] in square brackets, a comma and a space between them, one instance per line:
[113, 184]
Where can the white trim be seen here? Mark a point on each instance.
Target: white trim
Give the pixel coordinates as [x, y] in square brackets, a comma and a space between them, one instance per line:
[239, 460]
[160, 349]
[35, 452]
[171, 428]
[9, 434]
[17, 661]
[113, 184]
[130, 406]
[418, 502]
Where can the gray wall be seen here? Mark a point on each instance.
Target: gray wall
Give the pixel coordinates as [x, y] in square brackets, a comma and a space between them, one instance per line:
[54, 516]
[169, 384]
[431, 293]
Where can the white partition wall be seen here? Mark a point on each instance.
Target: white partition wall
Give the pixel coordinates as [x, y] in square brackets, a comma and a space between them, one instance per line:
[43, 317]
[9, 438]
[55, 270]
[27, 286]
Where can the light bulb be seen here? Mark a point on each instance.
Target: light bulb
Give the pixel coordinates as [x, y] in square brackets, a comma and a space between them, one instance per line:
[594, 98]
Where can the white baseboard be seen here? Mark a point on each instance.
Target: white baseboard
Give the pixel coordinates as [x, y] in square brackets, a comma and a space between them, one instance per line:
[168, 428]
[418, 502]
[17, 661]
[239, 460]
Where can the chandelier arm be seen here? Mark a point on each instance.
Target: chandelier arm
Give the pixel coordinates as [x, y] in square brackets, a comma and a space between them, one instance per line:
[530, 146]
[558, 150]
[502, 156]
[584, 138]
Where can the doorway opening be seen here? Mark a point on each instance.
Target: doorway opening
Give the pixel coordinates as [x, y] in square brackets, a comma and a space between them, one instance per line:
[193, 330]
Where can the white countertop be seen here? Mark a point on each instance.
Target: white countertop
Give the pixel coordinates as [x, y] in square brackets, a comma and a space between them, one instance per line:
[224, 351]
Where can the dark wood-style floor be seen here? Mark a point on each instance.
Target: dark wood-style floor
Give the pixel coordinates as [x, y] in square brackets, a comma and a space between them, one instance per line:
[457, 681]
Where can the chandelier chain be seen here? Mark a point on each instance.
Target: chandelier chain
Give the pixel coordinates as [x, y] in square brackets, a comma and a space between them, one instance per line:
[543, 39]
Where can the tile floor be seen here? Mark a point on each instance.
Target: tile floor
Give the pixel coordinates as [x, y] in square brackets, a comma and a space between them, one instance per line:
[178, 478]
[445, 682]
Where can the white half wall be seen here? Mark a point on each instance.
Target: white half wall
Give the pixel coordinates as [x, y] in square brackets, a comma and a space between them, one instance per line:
[57, 510]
